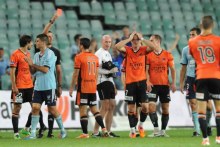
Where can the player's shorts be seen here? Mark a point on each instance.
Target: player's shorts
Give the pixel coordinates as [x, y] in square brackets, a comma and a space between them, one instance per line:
[24, 95]
[49, 96]
[86, 99]
[106, 90]
[135, 93]
[161, 91]
[190, 88]
[207, 89]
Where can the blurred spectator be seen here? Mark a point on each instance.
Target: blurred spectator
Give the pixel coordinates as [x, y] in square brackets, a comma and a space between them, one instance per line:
[75, 48]
[117, 59]
[93, 45]
[126, 34]
[4, 66]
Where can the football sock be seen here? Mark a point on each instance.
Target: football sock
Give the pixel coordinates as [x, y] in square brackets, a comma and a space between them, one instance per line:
[60, 123]
[41, 120]
[136, 119]
[208, 117]
[217, 120]
[154, 119]
[34, 122]
[131, 119]
[164, 120]
[50, 123]
[203, 125]
[196, 122]
[84, 124]
[28, 123]
[99, 120]
[15, 122]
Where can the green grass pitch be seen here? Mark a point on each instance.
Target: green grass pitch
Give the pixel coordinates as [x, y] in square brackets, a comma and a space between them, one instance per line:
[178, 138]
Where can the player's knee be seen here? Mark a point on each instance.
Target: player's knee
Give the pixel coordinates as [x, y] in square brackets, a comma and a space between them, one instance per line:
[144, 107]
[152, 107]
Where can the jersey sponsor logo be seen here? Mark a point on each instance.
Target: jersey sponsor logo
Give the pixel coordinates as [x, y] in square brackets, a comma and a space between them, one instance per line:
[216, 96]
[152, 95]
[200, 95]
[83, 101]
[93, 102]
[159, 69]
[129, 98]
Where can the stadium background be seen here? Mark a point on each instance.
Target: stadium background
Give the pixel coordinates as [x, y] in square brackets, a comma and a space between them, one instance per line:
[93, 18]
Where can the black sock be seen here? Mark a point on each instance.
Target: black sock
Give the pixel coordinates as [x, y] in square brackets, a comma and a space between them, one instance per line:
[217, 120]
[84, 124]
[136, 120]
[154, 119]
[28, 123]
[143, 116]
[50, 123]
[164, 120]
[15, 122]
[203, 126]
[131, 119]
[99, 120]
[41, 120]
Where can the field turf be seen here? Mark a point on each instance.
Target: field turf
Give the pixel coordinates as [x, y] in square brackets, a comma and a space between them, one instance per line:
[178, 138]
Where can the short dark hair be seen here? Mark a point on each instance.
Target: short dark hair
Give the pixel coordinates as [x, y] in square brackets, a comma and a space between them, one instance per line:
[1, 48]
[85, 42]
[207, 21]
[44, 38]
[158, 37]
[77, 36]
[24, 40]
[198, 31]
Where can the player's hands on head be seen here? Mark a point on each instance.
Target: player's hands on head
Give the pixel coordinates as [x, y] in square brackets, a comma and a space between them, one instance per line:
[132, 35]
[28, 60]
[139, 35]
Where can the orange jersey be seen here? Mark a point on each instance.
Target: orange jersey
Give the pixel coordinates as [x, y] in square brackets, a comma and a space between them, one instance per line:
[206, 51]
[88, 64]
[158, 67]
[135, 65]
[23, 74]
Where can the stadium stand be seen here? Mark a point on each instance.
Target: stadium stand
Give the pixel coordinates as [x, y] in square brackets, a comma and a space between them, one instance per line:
[94, 18]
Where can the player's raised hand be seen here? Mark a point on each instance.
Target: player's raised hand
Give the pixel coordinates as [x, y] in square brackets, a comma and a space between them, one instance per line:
[132, 35]
[140, 36]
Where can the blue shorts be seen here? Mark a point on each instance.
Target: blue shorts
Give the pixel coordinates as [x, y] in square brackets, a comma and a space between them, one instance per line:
[49, 96]
[190, 88]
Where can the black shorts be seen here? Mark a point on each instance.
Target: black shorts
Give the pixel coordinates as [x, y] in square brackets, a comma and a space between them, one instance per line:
[49, 96]
[161, 91]
[25, 95]
[106, 90]
[135, 93]
[190, 88]
[207, 89]
[86, 99]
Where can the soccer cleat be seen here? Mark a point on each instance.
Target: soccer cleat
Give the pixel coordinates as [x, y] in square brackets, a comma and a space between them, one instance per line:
[195, 134]
[163, 134]
[25, 132]
[209, 131]
[83, 136]
[205, 142]
[29, 137]
[96, 135]
[155, 134]
[17, 136]
[141, 131]
[132, 135]
[50, 135]
[111, 134]
[41, 132]
[217, 139]
[62, 134]
[104, 133]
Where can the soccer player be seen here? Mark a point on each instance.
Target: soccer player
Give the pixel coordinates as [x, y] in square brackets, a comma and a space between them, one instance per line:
[85, 74]
[158, 64]
[205, 49]
[135, 70]
[106, 87]
[22, 84]
[43, 68]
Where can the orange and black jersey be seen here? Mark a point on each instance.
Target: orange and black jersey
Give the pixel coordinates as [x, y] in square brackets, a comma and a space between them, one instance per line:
[206, 52]
[158, 67]
[88, 64]
[135, 64]
[23, 75]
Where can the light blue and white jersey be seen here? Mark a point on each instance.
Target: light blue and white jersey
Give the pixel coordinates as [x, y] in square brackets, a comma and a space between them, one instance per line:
[45, 81]
[188, 60]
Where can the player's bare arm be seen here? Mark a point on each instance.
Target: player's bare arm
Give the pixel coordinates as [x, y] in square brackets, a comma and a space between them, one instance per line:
[43, 69]
[182, 77]
[149, 84]
[173, 76]
[74, 80]
[120, 45]
[13, 79]
[59, 80]
[173, 46]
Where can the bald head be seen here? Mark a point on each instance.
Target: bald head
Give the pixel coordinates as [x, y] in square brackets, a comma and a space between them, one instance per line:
[106, 42]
